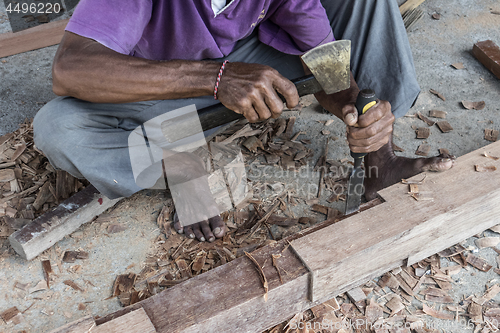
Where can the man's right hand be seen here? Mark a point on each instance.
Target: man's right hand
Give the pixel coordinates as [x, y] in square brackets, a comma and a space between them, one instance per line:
[252, 90]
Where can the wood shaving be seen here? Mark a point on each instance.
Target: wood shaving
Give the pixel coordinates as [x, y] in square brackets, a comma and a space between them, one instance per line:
[73, 285]
[423, 132]
[487, 242]
[437, 114]
[423, 150]
[261, 275]
[47, 270]
[474, 105]
[478, 263]
[444, 126]
[437, 314]
[491, 134]
[425, 119]
[434, 92]
[484, 168]
[492, 157]
[412, 181]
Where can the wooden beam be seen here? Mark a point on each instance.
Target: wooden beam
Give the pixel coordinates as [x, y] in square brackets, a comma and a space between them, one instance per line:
[341, 255]
[43, 232]
[402, 229]
[31, 39]
[488, 53]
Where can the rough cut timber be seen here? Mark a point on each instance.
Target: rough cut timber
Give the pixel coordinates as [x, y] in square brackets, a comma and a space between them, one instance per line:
[362, 246]
[51, 227]
[31, 39]
[488, 53]
[403, 230]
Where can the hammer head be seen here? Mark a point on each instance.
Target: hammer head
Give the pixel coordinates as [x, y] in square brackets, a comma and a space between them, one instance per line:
[330, 65]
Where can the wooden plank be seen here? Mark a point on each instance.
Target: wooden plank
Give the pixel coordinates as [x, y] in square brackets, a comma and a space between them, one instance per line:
[136, 321]
[466, 203]
[82, 325]
[43, 232]
[488, 53]
[31, 39]
[230, 298]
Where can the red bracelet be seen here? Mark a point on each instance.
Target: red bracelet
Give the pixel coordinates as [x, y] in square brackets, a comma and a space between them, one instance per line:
[218, 77]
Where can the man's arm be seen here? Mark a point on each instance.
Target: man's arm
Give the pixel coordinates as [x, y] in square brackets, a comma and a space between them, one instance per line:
[85, 69]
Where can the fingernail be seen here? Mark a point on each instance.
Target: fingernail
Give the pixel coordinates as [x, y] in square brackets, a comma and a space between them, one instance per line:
[202, 239]
[349, 118]
[217, 231]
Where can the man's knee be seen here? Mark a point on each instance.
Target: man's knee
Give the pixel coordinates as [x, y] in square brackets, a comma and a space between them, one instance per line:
[55, 124]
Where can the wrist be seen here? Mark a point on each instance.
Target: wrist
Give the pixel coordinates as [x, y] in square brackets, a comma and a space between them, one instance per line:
[187, 79]
[219, 76]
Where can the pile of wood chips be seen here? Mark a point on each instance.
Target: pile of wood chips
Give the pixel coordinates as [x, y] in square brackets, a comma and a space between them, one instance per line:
[178, 258]
[29, 185]
[276, 140]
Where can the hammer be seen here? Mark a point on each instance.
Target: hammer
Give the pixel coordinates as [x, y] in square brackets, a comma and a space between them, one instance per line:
[330, 68]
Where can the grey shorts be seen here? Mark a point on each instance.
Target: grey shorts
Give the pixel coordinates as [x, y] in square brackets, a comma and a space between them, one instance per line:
[90, 140]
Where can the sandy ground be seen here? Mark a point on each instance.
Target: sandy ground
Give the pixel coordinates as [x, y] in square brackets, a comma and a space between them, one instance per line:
[26, 86]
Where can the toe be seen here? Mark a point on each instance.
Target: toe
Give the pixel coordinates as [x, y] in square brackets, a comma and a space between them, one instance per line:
[438, 164]
[189, 231]
[218, 226]
[207, 231]
[198, 233]
[177, 224]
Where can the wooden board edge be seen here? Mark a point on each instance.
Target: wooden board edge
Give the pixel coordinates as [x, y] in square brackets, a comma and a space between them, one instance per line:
[136, 321]
[44, 35]
[43, 232]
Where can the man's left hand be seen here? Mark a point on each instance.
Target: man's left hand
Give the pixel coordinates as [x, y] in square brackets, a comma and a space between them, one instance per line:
[370, 131]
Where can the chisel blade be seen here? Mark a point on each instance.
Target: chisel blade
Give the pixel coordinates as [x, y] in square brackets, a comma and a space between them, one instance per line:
[355, 191]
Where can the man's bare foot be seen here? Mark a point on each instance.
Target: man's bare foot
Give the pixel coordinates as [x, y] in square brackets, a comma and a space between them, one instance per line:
[383, 168]
[204, 230]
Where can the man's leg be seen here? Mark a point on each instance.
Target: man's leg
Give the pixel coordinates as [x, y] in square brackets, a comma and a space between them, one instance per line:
[381, 57]
[91, 140]
[381, 60]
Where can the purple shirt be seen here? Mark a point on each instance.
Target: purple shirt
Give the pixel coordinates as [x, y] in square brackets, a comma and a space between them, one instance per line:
[189, 29]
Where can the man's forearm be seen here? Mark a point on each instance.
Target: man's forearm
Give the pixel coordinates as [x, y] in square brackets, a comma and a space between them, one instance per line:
[88, 70]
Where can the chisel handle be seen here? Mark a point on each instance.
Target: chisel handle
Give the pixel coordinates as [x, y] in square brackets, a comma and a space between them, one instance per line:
[366, 99]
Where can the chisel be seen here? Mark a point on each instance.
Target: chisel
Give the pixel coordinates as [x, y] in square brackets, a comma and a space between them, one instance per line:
[366, 99]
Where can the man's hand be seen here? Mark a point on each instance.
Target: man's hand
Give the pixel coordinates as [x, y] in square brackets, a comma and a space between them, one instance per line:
[252, 90]
[370, 131]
